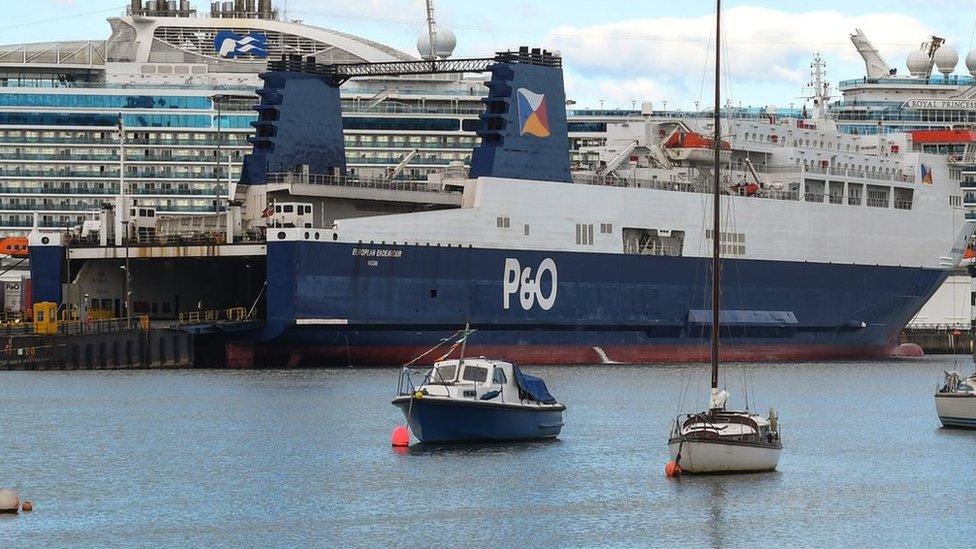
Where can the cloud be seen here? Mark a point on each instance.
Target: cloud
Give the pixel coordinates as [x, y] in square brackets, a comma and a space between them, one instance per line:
[391, 11]
[763, 46]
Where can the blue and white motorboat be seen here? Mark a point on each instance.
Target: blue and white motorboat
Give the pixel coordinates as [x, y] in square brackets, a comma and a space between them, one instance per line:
[477, 400]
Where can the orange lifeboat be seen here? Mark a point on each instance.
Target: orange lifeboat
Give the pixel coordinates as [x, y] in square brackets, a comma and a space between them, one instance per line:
[694, 147]
[13, 247]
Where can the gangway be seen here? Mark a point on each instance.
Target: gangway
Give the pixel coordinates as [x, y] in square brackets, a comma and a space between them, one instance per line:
[395, 171]
[341, 72]
[755, 174]
[618, 159]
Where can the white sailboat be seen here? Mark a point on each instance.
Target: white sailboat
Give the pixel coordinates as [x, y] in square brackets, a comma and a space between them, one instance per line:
[955, 400]
[719, 440]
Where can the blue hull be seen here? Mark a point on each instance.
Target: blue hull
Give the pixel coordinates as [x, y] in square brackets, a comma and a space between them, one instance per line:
[435, 420]
[958, 422]
[380, 304]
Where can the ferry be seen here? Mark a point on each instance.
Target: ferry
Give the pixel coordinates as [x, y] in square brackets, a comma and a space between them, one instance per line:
[841, 241]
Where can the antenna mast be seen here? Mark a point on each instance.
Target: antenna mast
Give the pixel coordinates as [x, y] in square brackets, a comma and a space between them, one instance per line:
[431, 30]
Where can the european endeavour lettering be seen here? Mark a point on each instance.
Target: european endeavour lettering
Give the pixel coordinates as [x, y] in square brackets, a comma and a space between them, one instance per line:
[529, 288]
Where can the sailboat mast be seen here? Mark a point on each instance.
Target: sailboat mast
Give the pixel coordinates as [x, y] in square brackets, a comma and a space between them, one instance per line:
[717, 193]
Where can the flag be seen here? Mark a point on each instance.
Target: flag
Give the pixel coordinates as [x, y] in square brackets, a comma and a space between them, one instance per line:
[926, 174]
[268, 212]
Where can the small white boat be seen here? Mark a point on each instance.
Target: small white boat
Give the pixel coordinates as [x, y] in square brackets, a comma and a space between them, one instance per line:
[725, 441]
[955, 401]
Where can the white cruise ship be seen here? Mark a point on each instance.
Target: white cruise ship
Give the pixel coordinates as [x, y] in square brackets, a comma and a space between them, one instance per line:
[180, 78]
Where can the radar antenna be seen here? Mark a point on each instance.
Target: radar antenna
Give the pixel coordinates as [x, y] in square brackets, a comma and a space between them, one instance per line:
[874, 64]
[431, 54]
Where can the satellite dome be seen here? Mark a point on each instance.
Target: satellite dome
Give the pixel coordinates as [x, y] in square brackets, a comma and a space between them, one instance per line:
[444, 47]
[918, 63]
[946, 59]
[971, 62]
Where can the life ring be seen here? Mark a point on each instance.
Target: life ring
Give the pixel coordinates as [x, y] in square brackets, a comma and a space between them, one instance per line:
[9, 349]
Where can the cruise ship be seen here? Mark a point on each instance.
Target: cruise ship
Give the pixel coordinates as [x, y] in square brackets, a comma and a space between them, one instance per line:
[180, 83]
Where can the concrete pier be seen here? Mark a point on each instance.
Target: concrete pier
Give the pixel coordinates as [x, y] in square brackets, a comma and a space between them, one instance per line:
[940, 339]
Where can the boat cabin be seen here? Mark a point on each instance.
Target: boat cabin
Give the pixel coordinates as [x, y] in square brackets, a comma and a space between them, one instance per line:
[484, 379]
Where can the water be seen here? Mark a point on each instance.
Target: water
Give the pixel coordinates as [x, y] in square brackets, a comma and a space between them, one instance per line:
[296, 458]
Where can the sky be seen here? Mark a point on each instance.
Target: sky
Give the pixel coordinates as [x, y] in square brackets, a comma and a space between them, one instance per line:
[617, 53]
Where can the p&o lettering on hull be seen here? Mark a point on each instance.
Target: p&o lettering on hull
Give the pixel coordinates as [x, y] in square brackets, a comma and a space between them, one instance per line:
[531, 290]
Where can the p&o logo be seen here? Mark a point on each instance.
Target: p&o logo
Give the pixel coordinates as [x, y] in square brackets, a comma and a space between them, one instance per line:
[530, 289]
[231, 45]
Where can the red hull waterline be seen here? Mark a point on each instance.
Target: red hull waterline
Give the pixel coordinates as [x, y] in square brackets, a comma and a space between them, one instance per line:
[246, 356]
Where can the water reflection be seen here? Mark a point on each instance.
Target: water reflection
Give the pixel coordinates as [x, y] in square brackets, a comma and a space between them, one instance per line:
[479, 449]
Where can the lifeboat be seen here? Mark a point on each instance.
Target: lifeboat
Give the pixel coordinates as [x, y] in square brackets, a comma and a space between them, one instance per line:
[695, 148]
[13, 247]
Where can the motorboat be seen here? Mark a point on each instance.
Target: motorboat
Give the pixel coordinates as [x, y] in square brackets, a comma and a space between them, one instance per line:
[478, 400]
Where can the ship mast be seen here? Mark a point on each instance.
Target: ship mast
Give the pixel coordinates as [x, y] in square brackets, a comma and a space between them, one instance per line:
[717, 194]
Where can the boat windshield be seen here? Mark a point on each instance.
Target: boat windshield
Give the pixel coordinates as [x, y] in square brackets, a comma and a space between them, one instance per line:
[475, 373]
[443, 374]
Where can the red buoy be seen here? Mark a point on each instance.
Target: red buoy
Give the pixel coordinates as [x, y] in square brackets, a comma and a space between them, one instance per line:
[672, 469]
[400, 436]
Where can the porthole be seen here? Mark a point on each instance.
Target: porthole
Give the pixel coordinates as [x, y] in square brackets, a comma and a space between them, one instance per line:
[306, 235]
[316, 235]
[335, 236]
[45, 240]
[281, 235]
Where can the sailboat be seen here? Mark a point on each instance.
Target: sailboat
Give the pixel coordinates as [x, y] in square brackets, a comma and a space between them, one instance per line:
[955, 400]
[720, 440]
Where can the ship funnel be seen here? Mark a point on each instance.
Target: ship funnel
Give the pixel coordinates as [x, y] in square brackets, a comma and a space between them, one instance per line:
[136, 7]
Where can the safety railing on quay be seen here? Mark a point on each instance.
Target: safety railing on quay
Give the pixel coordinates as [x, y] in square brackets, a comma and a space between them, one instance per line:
[203, 238]
[213, 316]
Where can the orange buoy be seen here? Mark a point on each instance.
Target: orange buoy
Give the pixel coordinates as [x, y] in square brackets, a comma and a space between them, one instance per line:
[27, 507]
[400, 436]
[672, 469]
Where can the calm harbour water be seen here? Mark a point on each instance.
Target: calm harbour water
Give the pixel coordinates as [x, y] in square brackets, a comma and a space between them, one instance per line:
[298, 458]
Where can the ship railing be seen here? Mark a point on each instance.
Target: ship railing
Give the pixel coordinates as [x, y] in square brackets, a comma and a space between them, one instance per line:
[941, 327]
[291, 178]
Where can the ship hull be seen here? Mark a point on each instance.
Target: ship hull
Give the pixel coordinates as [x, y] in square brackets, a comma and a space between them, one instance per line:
[335, 304]
[957, 411]
[436, 420]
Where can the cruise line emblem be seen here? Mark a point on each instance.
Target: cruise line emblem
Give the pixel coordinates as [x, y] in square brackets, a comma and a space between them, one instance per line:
[533, 113]
[232, 45]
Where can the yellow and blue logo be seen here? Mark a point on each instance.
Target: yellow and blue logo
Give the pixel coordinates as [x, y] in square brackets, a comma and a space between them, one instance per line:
[533, 113]
[926, 174]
